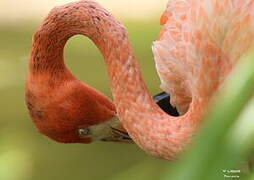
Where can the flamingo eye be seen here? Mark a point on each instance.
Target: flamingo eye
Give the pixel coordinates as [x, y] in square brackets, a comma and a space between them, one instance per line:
[83, 132]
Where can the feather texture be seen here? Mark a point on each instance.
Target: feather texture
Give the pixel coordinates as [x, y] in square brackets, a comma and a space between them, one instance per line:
[198, 45]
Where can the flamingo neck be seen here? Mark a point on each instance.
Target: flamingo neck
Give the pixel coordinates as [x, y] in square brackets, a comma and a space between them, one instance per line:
[84, 17]
[154, 131]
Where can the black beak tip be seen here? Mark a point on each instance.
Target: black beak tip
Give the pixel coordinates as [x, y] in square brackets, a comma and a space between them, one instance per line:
[163, 100]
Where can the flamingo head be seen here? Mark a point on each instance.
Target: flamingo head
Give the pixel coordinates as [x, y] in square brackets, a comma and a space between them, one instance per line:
[75, 113]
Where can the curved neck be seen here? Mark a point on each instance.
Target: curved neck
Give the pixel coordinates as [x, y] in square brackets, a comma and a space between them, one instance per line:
[152, 129]
[83, 17]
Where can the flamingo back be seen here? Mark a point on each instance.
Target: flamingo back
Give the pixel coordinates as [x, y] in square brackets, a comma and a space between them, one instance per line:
[198, 45]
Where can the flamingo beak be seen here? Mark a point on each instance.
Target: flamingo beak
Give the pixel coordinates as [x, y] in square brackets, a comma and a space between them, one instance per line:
[110, 130]
[163, 101]
[118, 135]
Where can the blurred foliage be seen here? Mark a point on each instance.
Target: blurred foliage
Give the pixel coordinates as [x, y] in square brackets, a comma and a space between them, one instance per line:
[223, 144]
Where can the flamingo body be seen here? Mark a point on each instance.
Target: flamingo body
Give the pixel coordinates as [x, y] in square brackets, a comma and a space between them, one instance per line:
[199, 44]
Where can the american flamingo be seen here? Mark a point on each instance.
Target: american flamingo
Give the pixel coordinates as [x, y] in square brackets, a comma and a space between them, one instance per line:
[62, 107]
[200, 42]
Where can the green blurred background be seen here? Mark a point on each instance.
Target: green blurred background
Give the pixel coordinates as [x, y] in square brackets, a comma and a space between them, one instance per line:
[27, 155]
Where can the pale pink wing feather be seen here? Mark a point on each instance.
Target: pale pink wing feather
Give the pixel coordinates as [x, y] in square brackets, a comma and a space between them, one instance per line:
[198, 45]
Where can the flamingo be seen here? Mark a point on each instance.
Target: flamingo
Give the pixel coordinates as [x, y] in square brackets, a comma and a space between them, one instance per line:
[199, 44]
[62, 107]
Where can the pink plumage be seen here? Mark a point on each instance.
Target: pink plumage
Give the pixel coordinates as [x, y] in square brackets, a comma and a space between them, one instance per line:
[200, 42]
